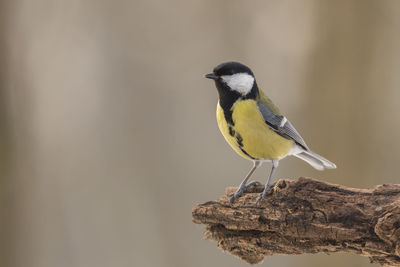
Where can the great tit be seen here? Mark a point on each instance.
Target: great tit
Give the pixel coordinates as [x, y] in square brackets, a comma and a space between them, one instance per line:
[254, 127]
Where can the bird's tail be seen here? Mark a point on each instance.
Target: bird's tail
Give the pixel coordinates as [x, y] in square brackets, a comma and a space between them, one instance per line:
[318, 162]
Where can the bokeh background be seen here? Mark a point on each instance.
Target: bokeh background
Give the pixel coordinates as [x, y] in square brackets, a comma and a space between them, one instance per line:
[108, 134]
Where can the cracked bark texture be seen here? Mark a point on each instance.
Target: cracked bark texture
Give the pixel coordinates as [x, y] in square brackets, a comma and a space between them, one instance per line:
[306, 216]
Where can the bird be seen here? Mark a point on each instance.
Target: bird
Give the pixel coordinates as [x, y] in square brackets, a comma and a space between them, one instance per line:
[253, 125]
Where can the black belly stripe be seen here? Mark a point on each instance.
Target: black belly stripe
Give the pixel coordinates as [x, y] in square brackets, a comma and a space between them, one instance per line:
[247, 154]
[227, 98]
[239, 141]
[231, 131]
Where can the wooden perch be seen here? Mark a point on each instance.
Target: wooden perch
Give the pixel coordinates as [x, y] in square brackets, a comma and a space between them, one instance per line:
[306, 216]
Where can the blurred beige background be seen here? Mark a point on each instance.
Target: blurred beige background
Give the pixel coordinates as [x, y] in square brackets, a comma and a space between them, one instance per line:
[108, 134]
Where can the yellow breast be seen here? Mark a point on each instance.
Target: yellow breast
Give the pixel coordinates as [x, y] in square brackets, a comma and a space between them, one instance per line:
[250, 136]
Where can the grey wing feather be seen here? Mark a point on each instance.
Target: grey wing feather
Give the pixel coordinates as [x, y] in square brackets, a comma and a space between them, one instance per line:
[281, 125]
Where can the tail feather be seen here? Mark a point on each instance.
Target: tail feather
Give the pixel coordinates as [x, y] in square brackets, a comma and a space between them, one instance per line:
[315, 160]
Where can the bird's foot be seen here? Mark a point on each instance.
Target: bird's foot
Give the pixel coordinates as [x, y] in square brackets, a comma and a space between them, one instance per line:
[265, 192]
[240, 191]
[234, 196]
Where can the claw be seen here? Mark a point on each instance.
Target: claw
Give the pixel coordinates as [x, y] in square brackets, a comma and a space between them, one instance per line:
[265, 192]
[240, 191]
[234, 196]
[260, 197]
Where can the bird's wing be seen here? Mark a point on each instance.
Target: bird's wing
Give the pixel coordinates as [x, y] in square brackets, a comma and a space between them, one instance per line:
[280, 124]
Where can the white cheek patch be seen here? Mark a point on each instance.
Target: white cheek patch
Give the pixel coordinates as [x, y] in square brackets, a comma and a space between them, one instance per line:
[240, 82]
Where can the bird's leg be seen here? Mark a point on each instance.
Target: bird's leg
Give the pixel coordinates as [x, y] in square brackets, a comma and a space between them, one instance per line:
[269, 183]
[243, 186]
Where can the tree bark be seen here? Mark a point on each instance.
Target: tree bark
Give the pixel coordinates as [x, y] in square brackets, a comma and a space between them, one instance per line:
[306, 216]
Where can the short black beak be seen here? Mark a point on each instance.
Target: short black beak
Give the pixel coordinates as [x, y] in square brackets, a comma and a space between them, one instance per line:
[212, 76]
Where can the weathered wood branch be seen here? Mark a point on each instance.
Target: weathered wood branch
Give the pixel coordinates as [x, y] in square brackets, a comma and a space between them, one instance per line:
[306, 216]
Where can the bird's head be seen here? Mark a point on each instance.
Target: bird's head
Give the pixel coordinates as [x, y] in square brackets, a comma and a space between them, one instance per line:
[233, 77]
